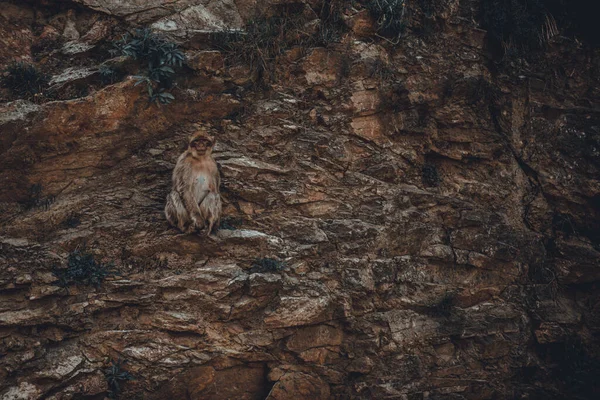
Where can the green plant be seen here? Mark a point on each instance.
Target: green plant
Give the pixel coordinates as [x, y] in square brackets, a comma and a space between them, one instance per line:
[72, 221]
[389, 16]
[159, 95]
[475, 91]
[230, 223]
[24, 79]
[427, 7]
[158, 56]
[108, 75]
[518, 25]
[82, 269]
[564, 223]
[331, 23]
[263, 39]
[345, 65]
[443, 307]
[267, 265]
[115, 377]
[429, 175]
[35, 198]
[380, 70]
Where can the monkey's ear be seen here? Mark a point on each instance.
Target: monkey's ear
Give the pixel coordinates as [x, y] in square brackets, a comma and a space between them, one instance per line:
[183, 146]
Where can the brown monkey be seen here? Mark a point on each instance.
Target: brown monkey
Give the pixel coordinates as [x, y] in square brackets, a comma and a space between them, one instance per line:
[195, 199]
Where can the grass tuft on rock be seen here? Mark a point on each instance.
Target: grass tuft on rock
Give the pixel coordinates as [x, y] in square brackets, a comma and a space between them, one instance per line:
[269, 34]
[24, 80]
[116, 376]
[430, 176]
[82, 269]
[263, 265]
[389, 17]
[443, 307]
[36, 199]
[230, 223]
[258, 45]
[158, 58]
[518, 25]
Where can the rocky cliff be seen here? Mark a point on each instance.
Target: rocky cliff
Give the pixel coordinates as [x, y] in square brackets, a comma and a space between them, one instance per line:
[412, 204]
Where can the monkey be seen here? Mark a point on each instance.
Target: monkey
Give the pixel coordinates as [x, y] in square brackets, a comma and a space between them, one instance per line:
[195, 198]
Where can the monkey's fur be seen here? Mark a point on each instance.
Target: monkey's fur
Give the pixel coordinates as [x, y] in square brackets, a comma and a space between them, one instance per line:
[195, 199]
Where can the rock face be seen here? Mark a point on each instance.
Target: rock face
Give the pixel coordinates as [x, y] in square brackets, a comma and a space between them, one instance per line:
[436, 216]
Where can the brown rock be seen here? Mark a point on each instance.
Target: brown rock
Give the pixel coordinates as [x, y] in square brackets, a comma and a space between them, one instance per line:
[16, 35]
[436, 210]
[189, 385]
[369, 128]
[298, 385]
[322, 67]
[314, 336]
[295, 311]
[366, 102]
[99, 31]
[207, 61]
[362, 24]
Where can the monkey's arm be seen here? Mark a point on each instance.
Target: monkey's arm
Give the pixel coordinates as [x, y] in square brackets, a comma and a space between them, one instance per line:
[185, 185]
[202, 196]
[190, 203]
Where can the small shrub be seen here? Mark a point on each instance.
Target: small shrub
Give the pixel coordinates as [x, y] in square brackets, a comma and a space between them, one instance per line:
[115, 377]
[266, 36]
[380, 70]
[430, 176]
[36, 200]
[542, 273]
[72, 221]
[159, 96]
[331, 23]
[326, 35]
[35, 193]
[475, 91]
[267, 265]
[564, 223]
[517, 25]
[82, 269]
[260, 44]
[394, 96]
[24, 80]
[345, 66]
[108, 75]
[158, 56]
[427, 7]
[443, 307]
[263, 39]
[389, 16]
[230, 223]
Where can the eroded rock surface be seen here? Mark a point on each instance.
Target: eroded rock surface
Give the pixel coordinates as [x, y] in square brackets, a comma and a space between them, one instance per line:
[437, 219]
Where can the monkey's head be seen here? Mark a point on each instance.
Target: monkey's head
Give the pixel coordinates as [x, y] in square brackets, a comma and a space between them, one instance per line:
[201, 144]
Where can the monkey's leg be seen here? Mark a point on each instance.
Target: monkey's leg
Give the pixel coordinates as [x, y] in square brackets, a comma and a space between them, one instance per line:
[176, 213]
[210, 227]
[191, 228]
[198, 224]
[213, 223]
[211, 209]
[189, 204]
[169, 211]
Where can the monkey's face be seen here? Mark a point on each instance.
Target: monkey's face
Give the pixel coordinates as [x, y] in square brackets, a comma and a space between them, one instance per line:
[201, 145]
